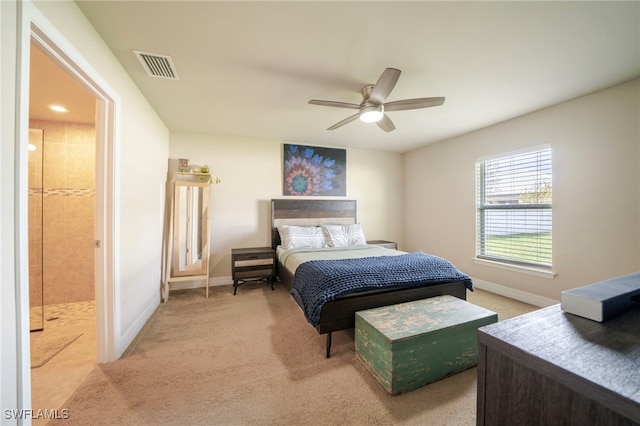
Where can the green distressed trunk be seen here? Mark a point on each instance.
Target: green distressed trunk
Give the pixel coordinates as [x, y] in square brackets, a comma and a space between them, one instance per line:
[411, 344]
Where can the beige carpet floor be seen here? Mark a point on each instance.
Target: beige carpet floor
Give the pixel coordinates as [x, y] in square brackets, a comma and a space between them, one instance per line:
[252, 359]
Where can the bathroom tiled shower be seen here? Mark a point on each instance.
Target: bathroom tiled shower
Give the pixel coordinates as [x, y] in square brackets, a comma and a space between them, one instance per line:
[61, 259]
[61, 217]
[67, 197]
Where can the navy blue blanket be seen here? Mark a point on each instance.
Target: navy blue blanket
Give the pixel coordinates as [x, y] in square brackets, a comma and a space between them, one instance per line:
[317, 282]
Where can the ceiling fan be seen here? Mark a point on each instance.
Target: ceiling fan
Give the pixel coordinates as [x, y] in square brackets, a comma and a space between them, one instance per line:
[372, 108]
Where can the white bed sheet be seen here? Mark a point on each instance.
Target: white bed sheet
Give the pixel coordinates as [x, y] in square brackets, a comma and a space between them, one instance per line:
[293, 258]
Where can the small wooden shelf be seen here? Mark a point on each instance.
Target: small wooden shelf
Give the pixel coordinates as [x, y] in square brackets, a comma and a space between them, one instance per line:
[191, 174]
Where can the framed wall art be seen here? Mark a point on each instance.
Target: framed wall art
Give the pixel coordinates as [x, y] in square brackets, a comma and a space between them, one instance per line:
[314, 171]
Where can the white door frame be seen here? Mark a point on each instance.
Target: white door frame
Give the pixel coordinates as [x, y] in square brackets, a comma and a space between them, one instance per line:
[37, 28]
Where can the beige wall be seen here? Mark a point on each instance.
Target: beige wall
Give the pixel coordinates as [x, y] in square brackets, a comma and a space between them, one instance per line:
[139, 201]
[595, 143]
[68, 211]
[251, 175]
[140, 161]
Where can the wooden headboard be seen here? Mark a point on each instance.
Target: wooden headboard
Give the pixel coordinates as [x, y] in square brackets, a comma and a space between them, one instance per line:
[309, 213]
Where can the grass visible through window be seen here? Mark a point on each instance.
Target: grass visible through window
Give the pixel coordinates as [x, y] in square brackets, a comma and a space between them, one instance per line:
[522, 247]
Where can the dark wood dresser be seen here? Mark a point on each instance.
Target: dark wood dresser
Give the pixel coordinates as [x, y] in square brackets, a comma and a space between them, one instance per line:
[553, 368]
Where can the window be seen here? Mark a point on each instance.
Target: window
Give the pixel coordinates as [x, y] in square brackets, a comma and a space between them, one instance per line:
[514, 208]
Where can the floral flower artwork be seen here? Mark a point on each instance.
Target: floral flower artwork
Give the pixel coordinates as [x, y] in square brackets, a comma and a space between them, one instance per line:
[312, 170]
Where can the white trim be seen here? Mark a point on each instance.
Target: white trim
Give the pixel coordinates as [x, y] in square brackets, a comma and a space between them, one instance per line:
[220, 281]
[529, 270]
[127, 336]
[496, 156]
[21, 240]
[523, 296]
[215, 281]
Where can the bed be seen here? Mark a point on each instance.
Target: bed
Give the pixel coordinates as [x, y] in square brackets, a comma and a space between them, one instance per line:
[339, 313]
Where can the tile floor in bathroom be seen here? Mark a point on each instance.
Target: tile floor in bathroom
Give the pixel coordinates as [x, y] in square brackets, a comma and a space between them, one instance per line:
[54, 382]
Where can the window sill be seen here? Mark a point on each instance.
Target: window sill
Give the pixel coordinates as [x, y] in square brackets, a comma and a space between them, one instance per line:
[538, 272]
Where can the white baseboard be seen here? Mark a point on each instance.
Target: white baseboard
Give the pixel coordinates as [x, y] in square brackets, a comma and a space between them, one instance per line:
[127, 337]
[184, 285]
[523, 296]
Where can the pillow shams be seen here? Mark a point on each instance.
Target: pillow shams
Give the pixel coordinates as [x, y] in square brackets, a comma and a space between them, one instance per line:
[344, 235]
[301, 237]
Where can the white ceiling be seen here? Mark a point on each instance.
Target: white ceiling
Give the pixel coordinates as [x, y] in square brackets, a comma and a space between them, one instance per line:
[50, 84]
[249, 68]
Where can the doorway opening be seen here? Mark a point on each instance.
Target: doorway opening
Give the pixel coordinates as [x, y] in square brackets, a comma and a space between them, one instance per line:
[61, 202]
[86, 193]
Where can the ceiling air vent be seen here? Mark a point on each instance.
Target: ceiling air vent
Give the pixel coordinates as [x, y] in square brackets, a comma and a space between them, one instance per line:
[157, 65]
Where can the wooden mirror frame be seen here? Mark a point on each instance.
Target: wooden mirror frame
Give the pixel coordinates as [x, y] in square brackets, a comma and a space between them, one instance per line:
[174, 271]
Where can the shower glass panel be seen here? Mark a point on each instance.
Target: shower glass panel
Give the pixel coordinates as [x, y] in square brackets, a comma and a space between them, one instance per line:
[35, 202]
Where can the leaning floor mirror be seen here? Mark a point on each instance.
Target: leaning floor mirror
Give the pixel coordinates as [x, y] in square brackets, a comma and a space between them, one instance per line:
[188, 243]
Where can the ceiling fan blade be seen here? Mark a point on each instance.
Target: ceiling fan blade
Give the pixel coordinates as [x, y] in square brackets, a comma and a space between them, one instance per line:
[345, 121]
[413, 104]
[384, 85]
[334, 104]
[386, 124]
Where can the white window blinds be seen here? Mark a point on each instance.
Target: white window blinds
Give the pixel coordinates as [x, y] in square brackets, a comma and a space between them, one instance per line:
[514, 208]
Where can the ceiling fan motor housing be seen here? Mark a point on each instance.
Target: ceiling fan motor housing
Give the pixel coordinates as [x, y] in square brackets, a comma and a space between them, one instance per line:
[370, 112]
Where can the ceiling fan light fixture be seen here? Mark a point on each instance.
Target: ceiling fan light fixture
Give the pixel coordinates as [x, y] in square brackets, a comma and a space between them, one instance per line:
[372, 113]
[373, 106]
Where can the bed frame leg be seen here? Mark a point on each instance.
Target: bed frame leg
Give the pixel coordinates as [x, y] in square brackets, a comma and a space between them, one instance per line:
[328, 344]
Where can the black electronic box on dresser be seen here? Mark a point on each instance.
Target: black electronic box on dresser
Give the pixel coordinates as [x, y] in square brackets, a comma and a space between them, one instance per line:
[252, 264]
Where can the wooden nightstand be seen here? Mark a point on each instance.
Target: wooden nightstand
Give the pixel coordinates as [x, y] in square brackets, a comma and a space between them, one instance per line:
[383, 243]
[252, 264]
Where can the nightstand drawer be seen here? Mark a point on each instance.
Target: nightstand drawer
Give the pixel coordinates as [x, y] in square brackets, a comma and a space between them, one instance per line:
[252, 262]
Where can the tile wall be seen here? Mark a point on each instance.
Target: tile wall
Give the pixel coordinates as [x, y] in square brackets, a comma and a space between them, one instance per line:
[68, 198]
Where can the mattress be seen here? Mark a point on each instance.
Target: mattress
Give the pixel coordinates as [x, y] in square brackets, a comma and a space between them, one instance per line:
[293, 258]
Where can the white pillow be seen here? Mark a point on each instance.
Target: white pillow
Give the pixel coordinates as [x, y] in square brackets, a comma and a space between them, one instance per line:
[344, 235]
[301, 237]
